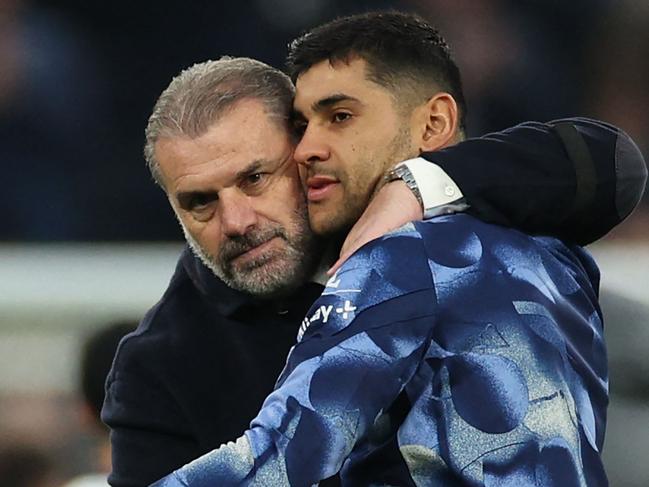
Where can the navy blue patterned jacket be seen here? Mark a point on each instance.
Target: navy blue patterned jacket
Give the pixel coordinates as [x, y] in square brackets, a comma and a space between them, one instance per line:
[453, 352]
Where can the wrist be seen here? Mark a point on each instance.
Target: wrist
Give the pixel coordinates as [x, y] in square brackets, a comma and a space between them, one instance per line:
[402, 197]
[402, 173]
[436, 191]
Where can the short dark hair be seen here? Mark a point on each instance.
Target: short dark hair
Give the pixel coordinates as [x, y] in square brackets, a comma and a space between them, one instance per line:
[404, 53]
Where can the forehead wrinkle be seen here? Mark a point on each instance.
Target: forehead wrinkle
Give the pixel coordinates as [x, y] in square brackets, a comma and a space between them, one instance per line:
[252, 167]
[194, 169]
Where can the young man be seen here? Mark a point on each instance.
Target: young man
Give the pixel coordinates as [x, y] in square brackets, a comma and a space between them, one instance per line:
[448, 352]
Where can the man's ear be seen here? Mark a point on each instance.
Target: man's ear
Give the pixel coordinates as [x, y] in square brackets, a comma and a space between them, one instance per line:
[436, 123]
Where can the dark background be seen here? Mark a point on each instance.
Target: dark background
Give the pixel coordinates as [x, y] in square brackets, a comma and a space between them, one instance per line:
[78, 80]
[81, 240]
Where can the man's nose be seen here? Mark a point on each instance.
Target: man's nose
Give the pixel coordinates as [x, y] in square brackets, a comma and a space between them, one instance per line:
[236, 213]
[313, 147]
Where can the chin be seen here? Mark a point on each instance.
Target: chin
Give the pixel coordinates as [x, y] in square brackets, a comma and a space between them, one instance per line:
[272, 277]
[319, 223]
[330, 227]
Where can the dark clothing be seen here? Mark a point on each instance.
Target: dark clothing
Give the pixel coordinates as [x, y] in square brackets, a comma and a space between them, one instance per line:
[205, 357]
[164, 406]
[573, 178]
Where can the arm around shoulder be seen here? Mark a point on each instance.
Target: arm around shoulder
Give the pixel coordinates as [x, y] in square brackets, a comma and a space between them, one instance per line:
[574, 178]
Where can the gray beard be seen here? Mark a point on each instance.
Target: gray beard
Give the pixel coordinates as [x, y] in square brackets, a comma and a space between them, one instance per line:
[266, 276]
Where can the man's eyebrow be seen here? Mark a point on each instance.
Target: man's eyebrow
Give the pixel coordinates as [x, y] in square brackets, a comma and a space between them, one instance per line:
[330, 100]
[251, 168]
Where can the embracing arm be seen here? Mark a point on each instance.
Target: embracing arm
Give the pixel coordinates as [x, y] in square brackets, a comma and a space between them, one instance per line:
[573, 178]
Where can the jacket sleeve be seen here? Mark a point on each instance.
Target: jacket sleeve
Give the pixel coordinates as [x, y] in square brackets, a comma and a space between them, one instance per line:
[574, 178]
[149, 434]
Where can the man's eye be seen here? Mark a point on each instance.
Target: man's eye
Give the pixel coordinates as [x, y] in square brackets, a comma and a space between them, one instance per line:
[199, 202]
[255, 178]
[340, 117]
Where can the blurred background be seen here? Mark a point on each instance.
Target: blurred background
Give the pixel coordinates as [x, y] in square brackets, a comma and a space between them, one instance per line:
[89, 242]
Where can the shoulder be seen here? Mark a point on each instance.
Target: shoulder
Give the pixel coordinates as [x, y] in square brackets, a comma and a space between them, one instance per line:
[386, 268]
[396, 262]
[377, 279]
[463, 241]
[470, 260]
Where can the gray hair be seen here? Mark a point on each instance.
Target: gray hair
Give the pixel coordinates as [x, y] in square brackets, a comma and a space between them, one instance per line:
[200, 95]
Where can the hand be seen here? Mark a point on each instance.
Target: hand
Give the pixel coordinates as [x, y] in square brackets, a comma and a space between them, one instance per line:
[392, 206]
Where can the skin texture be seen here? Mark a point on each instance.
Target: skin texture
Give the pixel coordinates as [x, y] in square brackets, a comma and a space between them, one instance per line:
[352, 134]
[235, 189]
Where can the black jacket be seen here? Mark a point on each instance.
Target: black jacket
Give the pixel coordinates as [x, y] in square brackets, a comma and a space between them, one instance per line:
[202, 361]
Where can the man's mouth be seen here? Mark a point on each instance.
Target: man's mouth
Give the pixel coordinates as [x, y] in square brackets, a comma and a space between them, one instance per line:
[253, 252]
[319, 187]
